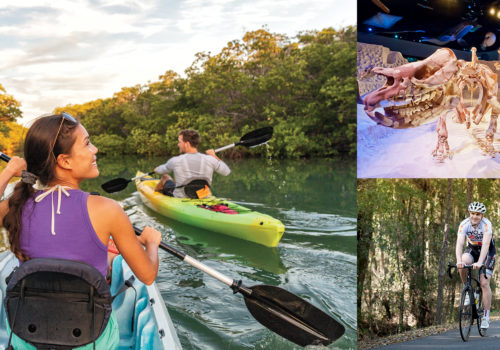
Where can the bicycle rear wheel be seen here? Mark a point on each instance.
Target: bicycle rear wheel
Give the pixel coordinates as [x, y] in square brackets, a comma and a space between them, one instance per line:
[480, 312]
[465, 318]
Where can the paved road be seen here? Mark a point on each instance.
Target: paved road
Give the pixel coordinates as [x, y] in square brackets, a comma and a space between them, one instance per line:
[452, 340]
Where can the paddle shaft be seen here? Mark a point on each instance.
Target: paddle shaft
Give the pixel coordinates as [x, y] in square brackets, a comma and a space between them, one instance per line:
[140, 177]
[195, 263]
[224, 147]
[4, 157]
[215, 150]
[251, 139]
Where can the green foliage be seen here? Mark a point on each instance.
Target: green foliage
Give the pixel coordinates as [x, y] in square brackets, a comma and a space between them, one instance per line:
[9, 107]
[304, 87]
[109, 143]
[11, 133]
[11, 137]
[145, 143]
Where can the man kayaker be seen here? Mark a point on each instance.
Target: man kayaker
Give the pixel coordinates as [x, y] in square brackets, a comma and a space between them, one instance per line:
[190, 165]
[60, 220]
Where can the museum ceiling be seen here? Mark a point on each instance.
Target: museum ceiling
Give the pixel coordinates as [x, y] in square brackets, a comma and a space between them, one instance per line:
[457, 24]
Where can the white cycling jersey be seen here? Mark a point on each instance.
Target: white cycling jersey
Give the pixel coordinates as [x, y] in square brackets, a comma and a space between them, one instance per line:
[475, 235]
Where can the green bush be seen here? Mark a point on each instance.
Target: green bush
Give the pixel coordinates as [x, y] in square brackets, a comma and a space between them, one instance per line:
[109, 144]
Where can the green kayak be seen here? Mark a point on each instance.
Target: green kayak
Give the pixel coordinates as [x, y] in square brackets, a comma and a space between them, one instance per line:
[245, 224]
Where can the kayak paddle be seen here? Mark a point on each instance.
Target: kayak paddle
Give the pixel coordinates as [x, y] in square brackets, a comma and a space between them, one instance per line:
[119, 184]
[276, 308]
[251, 139]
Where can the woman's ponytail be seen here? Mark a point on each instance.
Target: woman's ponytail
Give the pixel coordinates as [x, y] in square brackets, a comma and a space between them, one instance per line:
[13, 220]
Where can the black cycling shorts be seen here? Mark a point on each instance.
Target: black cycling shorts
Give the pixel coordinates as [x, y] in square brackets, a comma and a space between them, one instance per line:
[490, 259]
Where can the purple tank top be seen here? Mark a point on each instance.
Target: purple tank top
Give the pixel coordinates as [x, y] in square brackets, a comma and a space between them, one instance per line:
[75, 237]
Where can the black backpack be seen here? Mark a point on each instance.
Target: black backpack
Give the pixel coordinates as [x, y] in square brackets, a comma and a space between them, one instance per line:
[190, 188]
[193, 186]
[57, 304]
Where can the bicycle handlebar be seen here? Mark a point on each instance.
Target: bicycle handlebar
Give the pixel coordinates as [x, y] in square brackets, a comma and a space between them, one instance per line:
[482, 269]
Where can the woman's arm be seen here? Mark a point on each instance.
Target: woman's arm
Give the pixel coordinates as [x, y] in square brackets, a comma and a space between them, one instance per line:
[140, 253]
[14, 168]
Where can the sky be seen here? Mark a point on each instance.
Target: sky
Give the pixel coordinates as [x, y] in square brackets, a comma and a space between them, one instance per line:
[59, 52]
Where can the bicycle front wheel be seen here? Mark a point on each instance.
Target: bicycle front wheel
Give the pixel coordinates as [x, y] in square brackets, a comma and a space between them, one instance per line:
[465, 318]
[480, 311]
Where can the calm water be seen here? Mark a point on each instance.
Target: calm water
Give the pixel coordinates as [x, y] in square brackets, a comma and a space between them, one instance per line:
[316, 258]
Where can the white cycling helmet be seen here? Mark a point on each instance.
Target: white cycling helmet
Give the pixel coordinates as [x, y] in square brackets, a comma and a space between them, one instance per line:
[477, 207]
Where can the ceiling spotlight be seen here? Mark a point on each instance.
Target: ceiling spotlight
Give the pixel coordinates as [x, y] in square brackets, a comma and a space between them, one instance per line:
[492, 11]
[498, 14]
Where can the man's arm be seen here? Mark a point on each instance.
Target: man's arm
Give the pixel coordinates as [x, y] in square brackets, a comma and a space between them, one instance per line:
[221, 167]
[165, 168]
[459, 248]
[485, 247]
[211, 152]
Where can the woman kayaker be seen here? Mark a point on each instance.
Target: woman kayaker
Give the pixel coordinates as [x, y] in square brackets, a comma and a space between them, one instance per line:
[61, 221]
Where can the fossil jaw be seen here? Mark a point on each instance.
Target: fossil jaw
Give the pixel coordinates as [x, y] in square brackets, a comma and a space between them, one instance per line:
[410, 109]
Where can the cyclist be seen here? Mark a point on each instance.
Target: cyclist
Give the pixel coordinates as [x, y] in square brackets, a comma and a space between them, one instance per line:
[480, 250]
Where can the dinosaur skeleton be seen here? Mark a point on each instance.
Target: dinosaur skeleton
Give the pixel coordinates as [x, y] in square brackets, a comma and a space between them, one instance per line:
[417, 92]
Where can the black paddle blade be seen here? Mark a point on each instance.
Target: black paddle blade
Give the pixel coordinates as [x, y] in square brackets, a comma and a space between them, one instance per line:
[292, 317]
[256, 137]
[115, 185]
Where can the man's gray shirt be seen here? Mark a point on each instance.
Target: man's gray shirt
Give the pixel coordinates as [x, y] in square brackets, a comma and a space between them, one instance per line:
[190, 166]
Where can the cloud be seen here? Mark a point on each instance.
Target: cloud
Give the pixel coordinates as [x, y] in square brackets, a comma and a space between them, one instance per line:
[56, 52]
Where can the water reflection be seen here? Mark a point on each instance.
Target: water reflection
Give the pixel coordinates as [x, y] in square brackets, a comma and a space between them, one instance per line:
[223, 247]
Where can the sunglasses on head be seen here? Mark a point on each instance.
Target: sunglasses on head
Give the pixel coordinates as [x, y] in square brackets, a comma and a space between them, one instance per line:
[68, 117]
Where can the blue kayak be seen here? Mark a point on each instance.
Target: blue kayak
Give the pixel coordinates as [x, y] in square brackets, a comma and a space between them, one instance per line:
[153, 326]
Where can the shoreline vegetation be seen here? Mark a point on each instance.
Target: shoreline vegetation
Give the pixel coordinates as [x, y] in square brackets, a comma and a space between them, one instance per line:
[304, 87]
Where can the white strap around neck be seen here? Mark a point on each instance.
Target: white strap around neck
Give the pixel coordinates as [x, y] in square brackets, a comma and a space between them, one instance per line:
[60, 189]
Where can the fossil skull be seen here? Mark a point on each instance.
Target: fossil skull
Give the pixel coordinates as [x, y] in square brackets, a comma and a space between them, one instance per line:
[413, 92]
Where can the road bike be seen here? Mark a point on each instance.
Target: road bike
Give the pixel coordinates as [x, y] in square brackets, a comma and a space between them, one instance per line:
[475, 309]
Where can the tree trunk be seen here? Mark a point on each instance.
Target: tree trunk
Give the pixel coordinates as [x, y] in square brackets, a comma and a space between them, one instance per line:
[444, 247]
[470, 188]
[365, 233]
